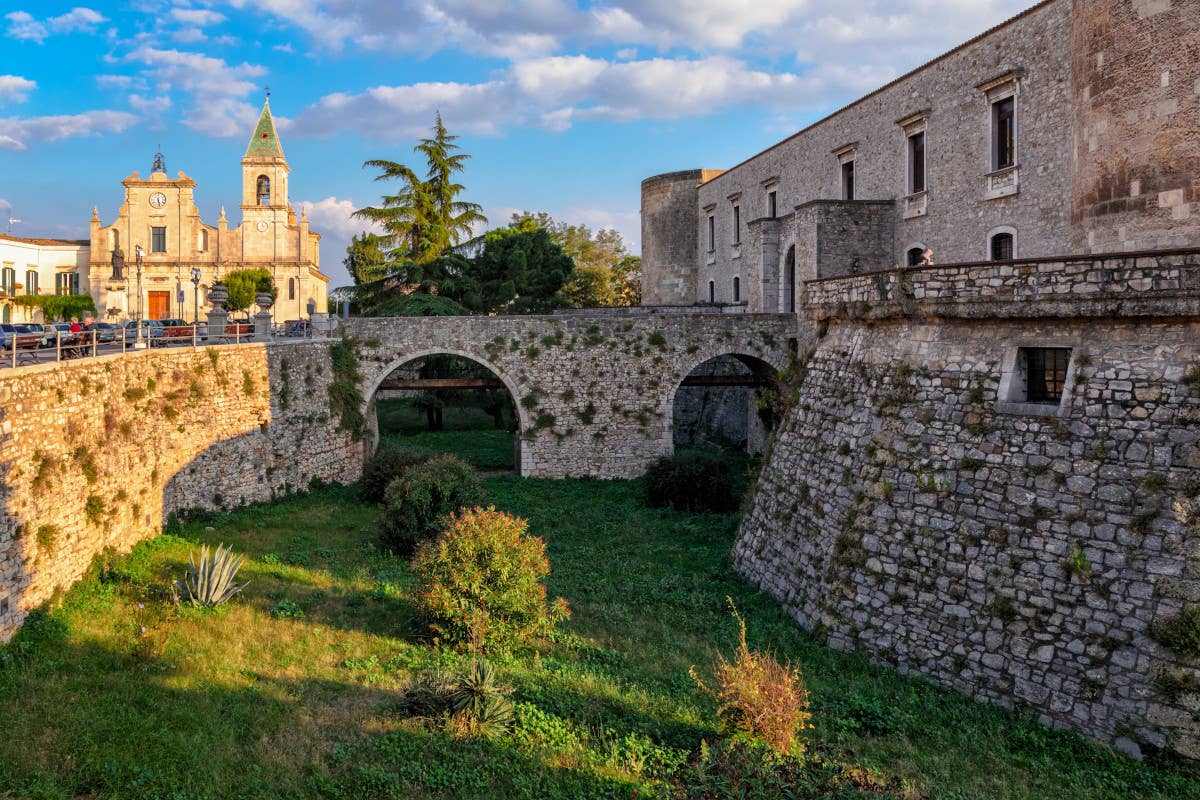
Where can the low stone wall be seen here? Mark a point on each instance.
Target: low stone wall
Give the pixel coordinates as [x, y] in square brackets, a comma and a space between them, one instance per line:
[1165, 283]
[1019, 558]
[97, 453]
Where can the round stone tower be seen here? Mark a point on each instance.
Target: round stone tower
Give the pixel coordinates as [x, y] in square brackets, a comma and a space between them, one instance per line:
[671, 236]
[1136, 85]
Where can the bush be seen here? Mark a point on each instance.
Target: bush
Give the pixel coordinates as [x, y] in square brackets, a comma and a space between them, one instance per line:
[690, 482]
[759, 696]
[415, 502]
[388, 463]
[479, 583]
[1180, 634]
[472, 703]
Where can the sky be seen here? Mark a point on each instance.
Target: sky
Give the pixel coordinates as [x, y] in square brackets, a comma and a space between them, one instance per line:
[564, 105]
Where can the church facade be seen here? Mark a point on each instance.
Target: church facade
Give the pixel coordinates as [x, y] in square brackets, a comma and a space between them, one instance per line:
[183, 256]
[1069, 129]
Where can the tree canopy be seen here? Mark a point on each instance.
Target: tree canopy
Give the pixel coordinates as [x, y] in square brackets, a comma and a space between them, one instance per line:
[365, 259]
[605, 273]
[519, 270]
[244, 284]
[56, 307]
[424, 218]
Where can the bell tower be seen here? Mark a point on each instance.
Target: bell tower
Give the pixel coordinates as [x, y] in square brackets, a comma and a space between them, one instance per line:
[265, 208]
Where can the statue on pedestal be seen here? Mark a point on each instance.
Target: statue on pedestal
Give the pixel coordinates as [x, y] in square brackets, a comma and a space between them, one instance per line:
[118, 264]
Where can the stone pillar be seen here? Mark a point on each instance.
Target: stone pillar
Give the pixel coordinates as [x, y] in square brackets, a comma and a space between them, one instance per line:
[218, 318]
[262, 320]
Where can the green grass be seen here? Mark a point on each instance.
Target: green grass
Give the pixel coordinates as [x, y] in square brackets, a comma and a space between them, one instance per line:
[114, 693]
[468, 433]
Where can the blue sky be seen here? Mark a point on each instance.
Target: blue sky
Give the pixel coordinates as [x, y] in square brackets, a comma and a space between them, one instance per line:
[564, 105]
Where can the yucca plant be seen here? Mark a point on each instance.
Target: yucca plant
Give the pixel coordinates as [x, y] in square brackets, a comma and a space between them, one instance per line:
[209, 582]
[478, 696]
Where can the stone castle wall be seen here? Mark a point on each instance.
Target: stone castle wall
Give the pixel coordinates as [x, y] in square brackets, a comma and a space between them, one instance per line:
[1136, 97]
[912, 508]
[97, 453]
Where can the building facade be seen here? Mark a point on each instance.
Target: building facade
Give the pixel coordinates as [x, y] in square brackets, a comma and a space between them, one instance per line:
[159, 215]
[36, 267]
[1071, 128]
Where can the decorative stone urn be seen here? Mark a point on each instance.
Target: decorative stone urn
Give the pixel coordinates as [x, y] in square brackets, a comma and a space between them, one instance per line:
[262, 320]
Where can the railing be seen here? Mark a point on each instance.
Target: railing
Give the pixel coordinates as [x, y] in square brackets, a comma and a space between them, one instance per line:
[40, 347]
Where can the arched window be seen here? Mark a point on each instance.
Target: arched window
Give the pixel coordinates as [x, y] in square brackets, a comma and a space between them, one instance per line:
[712, 291]
[263, 190]
[789, 281]
[1001, 246]
[737, 290]
[913, 255]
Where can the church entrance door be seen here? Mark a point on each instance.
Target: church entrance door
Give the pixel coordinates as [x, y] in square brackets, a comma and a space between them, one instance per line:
[160, 305]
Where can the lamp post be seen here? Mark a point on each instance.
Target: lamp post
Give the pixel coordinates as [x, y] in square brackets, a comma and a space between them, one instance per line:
[138, 343]
[195, 295]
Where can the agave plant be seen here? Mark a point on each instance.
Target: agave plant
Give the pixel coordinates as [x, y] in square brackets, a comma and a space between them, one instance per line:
[209, 582]
[477, 694]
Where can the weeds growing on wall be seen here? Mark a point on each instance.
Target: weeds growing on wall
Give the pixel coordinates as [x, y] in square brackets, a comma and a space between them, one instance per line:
[345, 394]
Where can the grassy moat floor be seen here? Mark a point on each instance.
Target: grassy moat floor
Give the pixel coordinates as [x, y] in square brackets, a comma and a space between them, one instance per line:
[290, 691]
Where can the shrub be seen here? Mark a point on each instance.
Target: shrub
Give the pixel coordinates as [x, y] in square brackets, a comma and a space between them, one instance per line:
[471, 703]
[690, 482]
[759, 696]
[209, 582]
[415, 502]
[388, 463]
[479, 583]
[1180, 634]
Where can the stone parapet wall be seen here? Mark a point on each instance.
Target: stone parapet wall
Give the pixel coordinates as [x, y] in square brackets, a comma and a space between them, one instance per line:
[1019, 558]
[1165, 283]
[97, 453]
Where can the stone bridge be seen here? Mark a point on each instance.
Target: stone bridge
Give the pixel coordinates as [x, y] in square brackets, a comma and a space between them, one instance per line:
[594, 392]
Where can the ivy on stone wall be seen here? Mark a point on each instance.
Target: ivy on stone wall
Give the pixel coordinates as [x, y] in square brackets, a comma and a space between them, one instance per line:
[345, 394]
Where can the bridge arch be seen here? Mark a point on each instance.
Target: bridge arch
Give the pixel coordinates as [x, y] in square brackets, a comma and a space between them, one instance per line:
[375, 381]
[725, 371]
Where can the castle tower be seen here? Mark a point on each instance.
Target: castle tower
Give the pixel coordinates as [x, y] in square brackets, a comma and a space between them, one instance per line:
[265, 206]
[1136, 159]
[671, 237]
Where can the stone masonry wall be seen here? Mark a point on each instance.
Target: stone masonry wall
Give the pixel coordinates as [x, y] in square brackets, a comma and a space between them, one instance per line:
[594, 392]
[1035, 46]
[1018, 554]
[97, 453]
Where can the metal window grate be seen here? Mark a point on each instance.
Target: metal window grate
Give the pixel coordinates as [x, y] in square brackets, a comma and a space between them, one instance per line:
[1046, 373]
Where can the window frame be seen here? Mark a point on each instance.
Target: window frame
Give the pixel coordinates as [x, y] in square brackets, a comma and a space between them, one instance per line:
[847, 189]
[737, 289]
[737, 223]
[8, 279]
[911, 139]
[158, 245]
[71, 283]
[918, 248]
[32, 281]
[1014, 396]
[258, 190]
[994, 104]
[773, 204]
[996, 233]
[712, 292]
[712, 233]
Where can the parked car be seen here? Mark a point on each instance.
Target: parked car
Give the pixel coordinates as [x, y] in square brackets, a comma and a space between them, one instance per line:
[51, 332]
[152, 332]
[176, 330]
[21, 335]
[107, 332]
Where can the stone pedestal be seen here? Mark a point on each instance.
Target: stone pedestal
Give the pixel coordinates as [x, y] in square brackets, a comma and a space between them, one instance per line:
[218, 318]
[262, 324]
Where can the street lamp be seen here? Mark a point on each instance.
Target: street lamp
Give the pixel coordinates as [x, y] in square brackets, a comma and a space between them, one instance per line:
[195, 295]
[139, 344]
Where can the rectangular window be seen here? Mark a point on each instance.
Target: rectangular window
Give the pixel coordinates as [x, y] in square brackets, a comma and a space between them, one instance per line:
[1004, 133]
[1045, 373]
[31, 282]
[737, 224]
[916, 163]
[158, 240]
[848, 180]
[8, 279]
[712, 239]
[66, 283]
[737, 290]
[291, 288]
[771, 209]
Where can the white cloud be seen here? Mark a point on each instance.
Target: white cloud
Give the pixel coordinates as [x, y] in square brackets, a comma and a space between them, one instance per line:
[558, 91]
[334, 218]
[23, 25]
[15, 89]
[217, 89]
[188, 35]
[284, 48]
[18, 133]
[200, 17]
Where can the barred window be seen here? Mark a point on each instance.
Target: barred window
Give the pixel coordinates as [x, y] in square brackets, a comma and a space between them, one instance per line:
[1045, 373]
